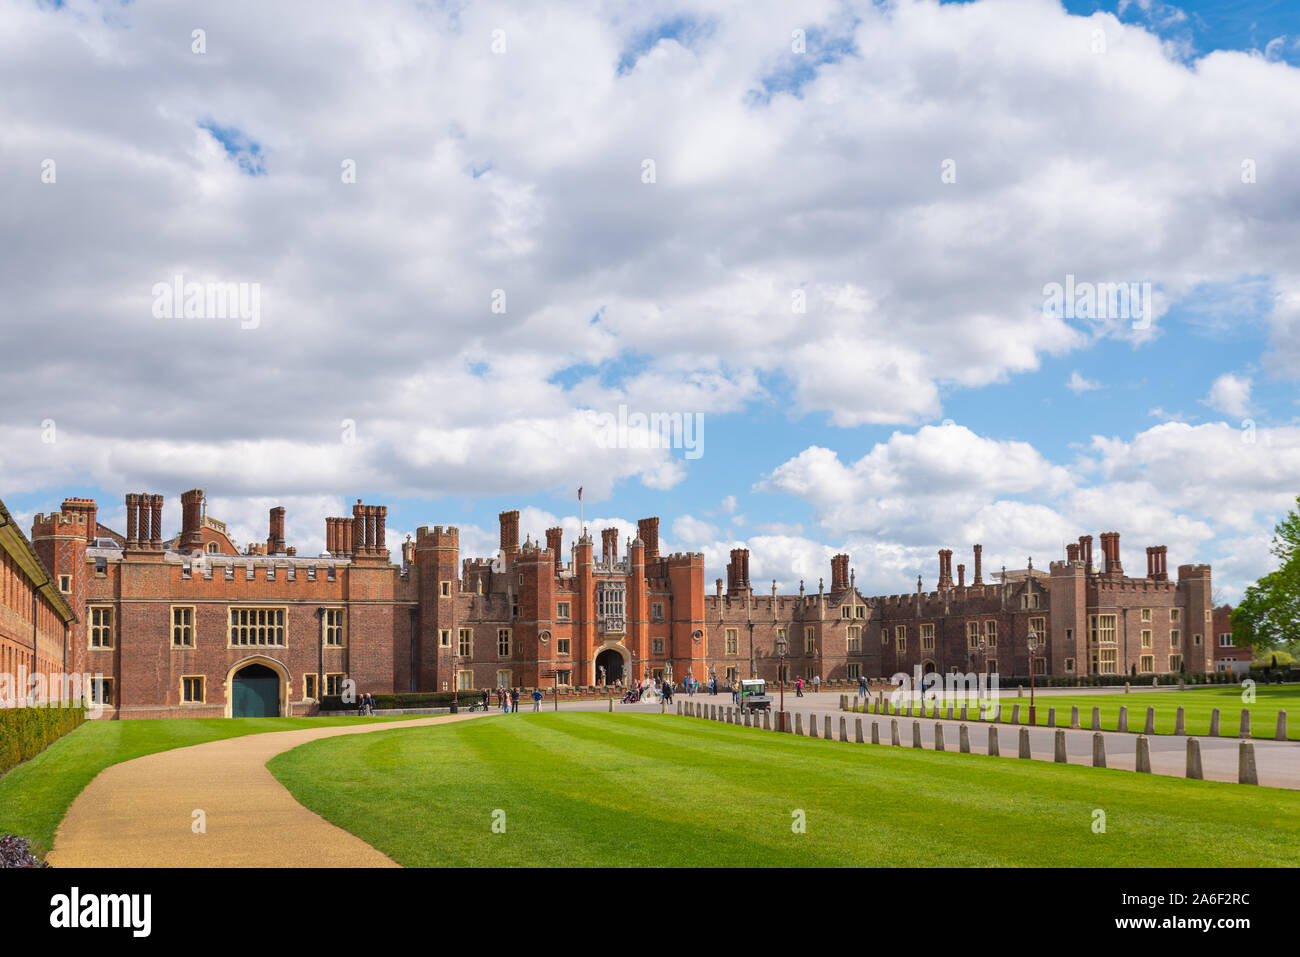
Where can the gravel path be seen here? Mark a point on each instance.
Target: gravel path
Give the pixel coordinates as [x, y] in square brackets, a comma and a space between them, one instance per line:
[141, 813]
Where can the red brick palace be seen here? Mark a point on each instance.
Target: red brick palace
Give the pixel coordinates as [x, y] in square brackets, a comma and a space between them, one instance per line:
[180, 626]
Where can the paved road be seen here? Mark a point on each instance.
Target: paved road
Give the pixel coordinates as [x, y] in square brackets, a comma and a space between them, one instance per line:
[1277, 762]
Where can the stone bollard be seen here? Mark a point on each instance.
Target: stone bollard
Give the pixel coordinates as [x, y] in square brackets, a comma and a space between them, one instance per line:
[949, 712]
[938, 737]
[1214, 723]
[1074, 717]
[1096, 719]
[767, 719]
[1281, 727]
[963, 712]
[1051, 717]
[1098, 750]
[1024, 743]
[1179, 722]
[679, 707]
[909, 707]
[844, 729]
[1060, 746]
[1246, 773]
[798, 722]
[997, 712]
[747, 718]
[1015, 714]
[1151, 721]
[1245, 723]
[1143, 754]
[916, 734]
[827, 728]
[812, 725]
[1155, 682]
[1020, 691]
[1194, 759]
[875, 732]
[1123, 718]
[893, 733]
[611, 705]
[857, 731]
[1127, 688]
[843, 703]
[993, 741]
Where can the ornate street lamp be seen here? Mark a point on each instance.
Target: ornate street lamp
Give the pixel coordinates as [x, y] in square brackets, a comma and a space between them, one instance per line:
[1032, 643]
[782, 646]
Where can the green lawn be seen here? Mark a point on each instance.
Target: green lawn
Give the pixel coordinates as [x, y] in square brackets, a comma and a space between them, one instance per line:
[36, 794]
[1197, 704]
[597, 789]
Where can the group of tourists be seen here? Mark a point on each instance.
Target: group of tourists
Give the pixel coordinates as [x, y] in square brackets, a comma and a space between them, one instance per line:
[508, 699]
[365, 704]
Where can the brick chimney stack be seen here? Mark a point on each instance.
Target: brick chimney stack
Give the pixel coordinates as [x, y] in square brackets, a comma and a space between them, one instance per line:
[961, 576]
[509, 531]
[87, 508]
[191, 519]
[554, 542]
[647, 529]
[1085, 551]
[1072, 552]
[945, 568]
[839, 573]
[979, 575]
[275, 543]
[1110, 552]
[609, 545]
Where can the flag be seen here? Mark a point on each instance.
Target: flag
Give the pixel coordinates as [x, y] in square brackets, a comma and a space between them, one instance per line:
[579, 493]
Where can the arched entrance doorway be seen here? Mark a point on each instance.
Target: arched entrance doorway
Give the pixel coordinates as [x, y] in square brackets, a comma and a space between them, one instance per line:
[927, 666]
[612, 662]
[255, 693]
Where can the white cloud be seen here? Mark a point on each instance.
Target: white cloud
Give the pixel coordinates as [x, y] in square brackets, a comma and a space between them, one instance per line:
[1230, 394]
[1079, 385]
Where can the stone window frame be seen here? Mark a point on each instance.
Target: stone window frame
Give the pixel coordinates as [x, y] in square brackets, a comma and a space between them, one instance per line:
[1175, 615]
[508, 635]
[510, 677]
[202, 686]
[333, 687]
[465, 643]
[1107, 657]
[444, 638]
[1145, 641]
[1146, 614]
[927, 636]
[854, 640]
[991, 632]
[282, 628]
[65, 583]
[563, 645]
[192, 627]
[1069, 665]
[341, 627]
[444, 589]
[310, 679]
[563, 611]
[464, 680]
[110, 628]
[854, 670]
[1175, 663]
[1146, 664]
[103, 689]
[732, 641]
[657, 645]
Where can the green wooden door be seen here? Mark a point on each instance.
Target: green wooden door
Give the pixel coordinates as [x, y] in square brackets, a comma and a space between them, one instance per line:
[256, 693]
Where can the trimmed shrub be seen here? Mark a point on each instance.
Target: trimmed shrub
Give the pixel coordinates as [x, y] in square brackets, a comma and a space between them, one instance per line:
[26, 732]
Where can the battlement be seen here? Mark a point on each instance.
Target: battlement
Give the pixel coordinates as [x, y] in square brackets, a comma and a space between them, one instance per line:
[72, 524]
[437, 537]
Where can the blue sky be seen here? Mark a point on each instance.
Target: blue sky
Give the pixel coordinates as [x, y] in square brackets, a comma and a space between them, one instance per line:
[921, 398]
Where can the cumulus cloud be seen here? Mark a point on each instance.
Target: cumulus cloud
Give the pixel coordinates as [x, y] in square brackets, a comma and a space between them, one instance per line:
[1230, 394]
[1079, 385]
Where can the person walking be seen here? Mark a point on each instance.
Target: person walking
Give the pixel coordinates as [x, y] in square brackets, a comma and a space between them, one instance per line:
[798, 687]
[817, 683]
[514, 700]
[862, 686]
[537, 699]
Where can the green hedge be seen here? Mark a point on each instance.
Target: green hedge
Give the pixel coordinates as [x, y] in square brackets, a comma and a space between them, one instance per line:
[26, 732]
[427, 699]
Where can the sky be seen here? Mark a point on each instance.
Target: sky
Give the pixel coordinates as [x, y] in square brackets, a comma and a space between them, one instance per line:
[826, 236]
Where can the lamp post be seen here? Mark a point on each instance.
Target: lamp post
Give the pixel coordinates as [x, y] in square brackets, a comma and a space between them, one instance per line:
[983, 669]
[455, 683]
[782, 646]
[1031, 642]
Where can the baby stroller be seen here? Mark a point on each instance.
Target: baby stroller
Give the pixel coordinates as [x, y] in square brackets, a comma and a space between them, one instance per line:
[633, 696]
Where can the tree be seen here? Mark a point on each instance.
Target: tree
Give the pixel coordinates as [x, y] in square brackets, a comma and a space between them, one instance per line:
[1269, 613]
